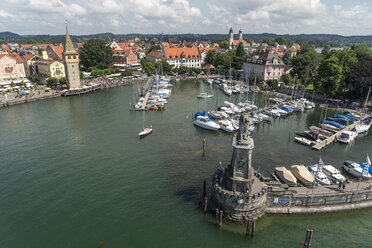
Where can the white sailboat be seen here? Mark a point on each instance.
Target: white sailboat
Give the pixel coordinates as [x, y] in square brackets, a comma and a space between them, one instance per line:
[145, 131]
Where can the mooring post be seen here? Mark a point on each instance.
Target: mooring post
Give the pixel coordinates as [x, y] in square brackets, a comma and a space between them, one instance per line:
[203, 146]
[217, 214]
[100, 245]
[204, 188]
[309, 234]
[253, 227]
[205, 204]
[248, 226]
[220, 223]
[289, 136]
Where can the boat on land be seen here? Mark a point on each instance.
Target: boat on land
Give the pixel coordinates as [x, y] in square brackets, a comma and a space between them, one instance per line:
[302, 141]
[356, 170]
[333, 173]
[206, 123]
[320, 176]
[302, 174]
[286, 176]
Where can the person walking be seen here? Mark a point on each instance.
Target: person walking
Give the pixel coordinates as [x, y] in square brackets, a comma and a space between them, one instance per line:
[339, 185]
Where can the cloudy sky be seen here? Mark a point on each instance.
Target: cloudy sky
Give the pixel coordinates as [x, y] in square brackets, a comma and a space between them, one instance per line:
[345, 17]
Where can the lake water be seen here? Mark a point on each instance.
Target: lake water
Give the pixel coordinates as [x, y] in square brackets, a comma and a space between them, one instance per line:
[73, 173]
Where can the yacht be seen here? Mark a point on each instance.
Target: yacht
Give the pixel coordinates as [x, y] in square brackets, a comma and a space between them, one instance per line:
[362, 127]
[204, 95]
[206, 123]
[302, 174]
[319, 175]
[347, 136]
[356, 170]
[303, 141]
[333, 173]
[227, 126]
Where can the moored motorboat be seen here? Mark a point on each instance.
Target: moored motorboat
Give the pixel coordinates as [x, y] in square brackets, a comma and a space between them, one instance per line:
[204, 95]
[347, 136]
[319, 174]
[227, 126]
[333, 173]
[206, 123]
[303, 141]
[356, 170]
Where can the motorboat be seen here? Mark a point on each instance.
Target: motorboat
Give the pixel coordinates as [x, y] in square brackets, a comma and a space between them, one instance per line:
[272, 112]
[286, 108]
[286, 176]
[347, 136]
[227, 126]
[227, 110]
[330, 127]
[362, 127]
[302, 174]
[264, 117]
[321, 131]
[352, 115]
[335, 124]
[209, 81]
[319, 175]
[333, 173]
[303, 141]
[356, 170]
[204, 95]
[216, 114]
[206, 123]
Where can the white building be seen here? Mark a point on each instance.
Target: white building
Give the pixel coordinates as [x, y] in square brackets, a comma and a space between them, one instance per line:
[177, 57]
[266, 65]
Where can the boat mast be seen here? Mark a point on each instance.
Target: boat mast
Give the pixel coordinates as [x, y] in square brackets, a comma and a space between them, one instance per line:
[365, 103]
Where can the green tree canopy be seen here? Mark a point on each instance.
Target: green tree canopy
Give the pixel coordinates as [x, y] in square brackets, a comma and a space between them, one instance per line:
[62, 80]
[240, 50]
[247, 39]
[167, 68]
[127, 72]
[362, 48]
[360, 76]
[281, 40]
[154, 48]
[268, 41]
[148, 68]
[211, 57]
[96, 53]
[52, 81]
[326, 49]
[287, 79]
[329, 78]
[304, 66]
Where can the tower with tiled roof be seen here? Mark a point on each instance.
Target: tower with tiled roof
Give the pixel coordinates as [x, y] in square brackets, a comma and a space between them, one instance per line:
[240, 35]
[71, 61]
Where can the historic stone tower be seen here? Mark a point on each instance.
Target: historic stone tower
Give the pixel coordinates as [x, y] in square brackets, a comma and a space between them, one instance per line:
[240, 35]
[231, 37]
[236, 190]
[71, 60]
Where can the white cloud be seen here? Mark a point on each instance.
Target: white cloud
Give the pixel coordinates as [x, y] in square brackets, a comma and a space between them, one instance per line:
[180, 16]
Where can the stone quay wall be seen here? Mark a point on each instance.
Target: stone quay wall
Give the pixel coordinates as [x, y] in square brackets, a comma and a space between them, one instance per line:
[238, 207]
[285, 200]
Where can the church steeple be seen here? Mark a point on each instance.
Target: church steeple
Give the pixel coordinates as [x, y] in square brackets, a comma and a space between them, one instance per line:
[69, 47]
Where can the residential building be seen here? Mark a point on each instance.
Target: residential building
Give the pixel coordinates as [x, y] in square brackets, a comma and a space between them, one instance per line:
[177, 57]
[115, 46]
[11, 67]
[265, 64]
[50, 68]
[4, 49]
[154, 56]
[29, 63]
[203, 53]
[124, 58]
[55, 52]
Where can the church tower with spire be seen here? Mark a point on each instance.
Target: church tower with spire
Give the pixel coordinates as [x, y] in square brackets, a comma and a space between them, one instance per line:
[240, 35]
[231, 37]
[71, 61]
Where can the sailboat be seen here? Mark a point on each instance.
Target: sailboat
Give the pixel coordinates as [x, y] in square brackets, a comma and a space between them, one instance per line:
[145, 131]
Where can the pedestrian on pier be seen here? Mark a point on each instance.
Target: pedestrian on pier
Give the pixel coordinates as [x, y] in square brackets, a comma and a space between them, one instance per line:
[339, 185]
[343, 186]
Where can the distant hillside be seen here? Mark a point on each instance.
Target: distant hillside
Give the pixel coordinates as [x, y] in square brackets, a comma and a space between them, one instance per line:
[9, 36]
[318, 40]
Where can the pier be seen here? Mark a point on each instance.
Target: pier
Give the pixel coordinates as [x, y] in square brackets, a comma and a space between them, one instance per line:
[330, 139]
[147, 89]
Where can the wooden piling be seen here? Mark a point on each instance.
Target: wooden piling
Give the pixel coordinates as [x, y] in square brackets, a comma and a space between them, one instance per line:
[248, 226]
[203, 146]
[204, 188]
[253, 227]
[221, 214]
[217, 214]
[309, 235]
[205, 204]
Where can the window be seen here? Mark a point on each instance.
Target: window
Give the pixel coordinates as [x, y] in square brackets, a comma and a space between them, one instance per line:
[74, 57]
[69, 57]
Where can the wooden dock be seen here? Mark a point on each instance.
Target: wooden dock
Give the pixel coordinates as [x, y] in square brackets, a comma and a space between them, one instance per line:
[147, 89]
[330, 139]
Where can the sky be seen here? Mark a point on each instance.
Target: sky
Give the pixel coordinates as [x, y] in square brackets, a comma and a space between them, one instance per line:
[344, 17]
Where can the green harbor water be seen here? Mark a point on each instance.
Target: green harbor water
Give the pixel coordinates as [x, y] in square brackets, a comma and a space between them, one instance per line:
[73, 173]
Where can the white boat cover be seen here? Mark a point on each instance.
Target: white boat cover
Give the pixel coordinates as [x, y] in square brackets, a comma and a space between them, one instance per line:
[286, 176]
[302, 174]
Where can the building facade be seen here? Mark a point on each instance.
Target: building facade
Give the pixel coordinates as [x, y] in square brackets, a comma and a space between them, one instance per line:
[29, 61]
[50, 68]
[265, 64]
[177, 57]
[11, 67]
[154, 56]
[71, 62]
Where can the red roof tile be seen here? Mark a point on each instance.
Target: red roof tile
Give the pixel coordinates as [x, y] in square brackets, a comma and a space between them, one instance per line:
[186, 52]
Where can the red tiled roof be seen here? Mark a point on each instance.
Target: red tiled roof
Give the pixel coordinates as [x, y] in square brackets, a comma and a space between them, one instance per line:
[237, 42]
[5, 47]
[209, 66]
[16, 57]
[206, 49]
[59, 50]
[174, 53]
[26, 46]
[155, 54]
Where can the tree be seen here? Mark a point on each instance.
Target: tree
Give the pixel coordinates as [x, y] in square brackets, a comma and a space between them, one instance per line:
[361, 48]
[305, 47]
[12, 84]
[52, 81]
[287, 58]
[240, 50]
[127, 73]
[326, 49]
[347, 58]
[62, 80]
[36, 78]
[148, 68]
[305, 66]
[96, 53]
[329, 78]
[248, 40]
[273, 83]
[360, 76]
[211, 57]
[224, 44]
[287, 79]
[268, 41]
[167, 68]
[281, 40]
[154, 48]
[82, 75]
